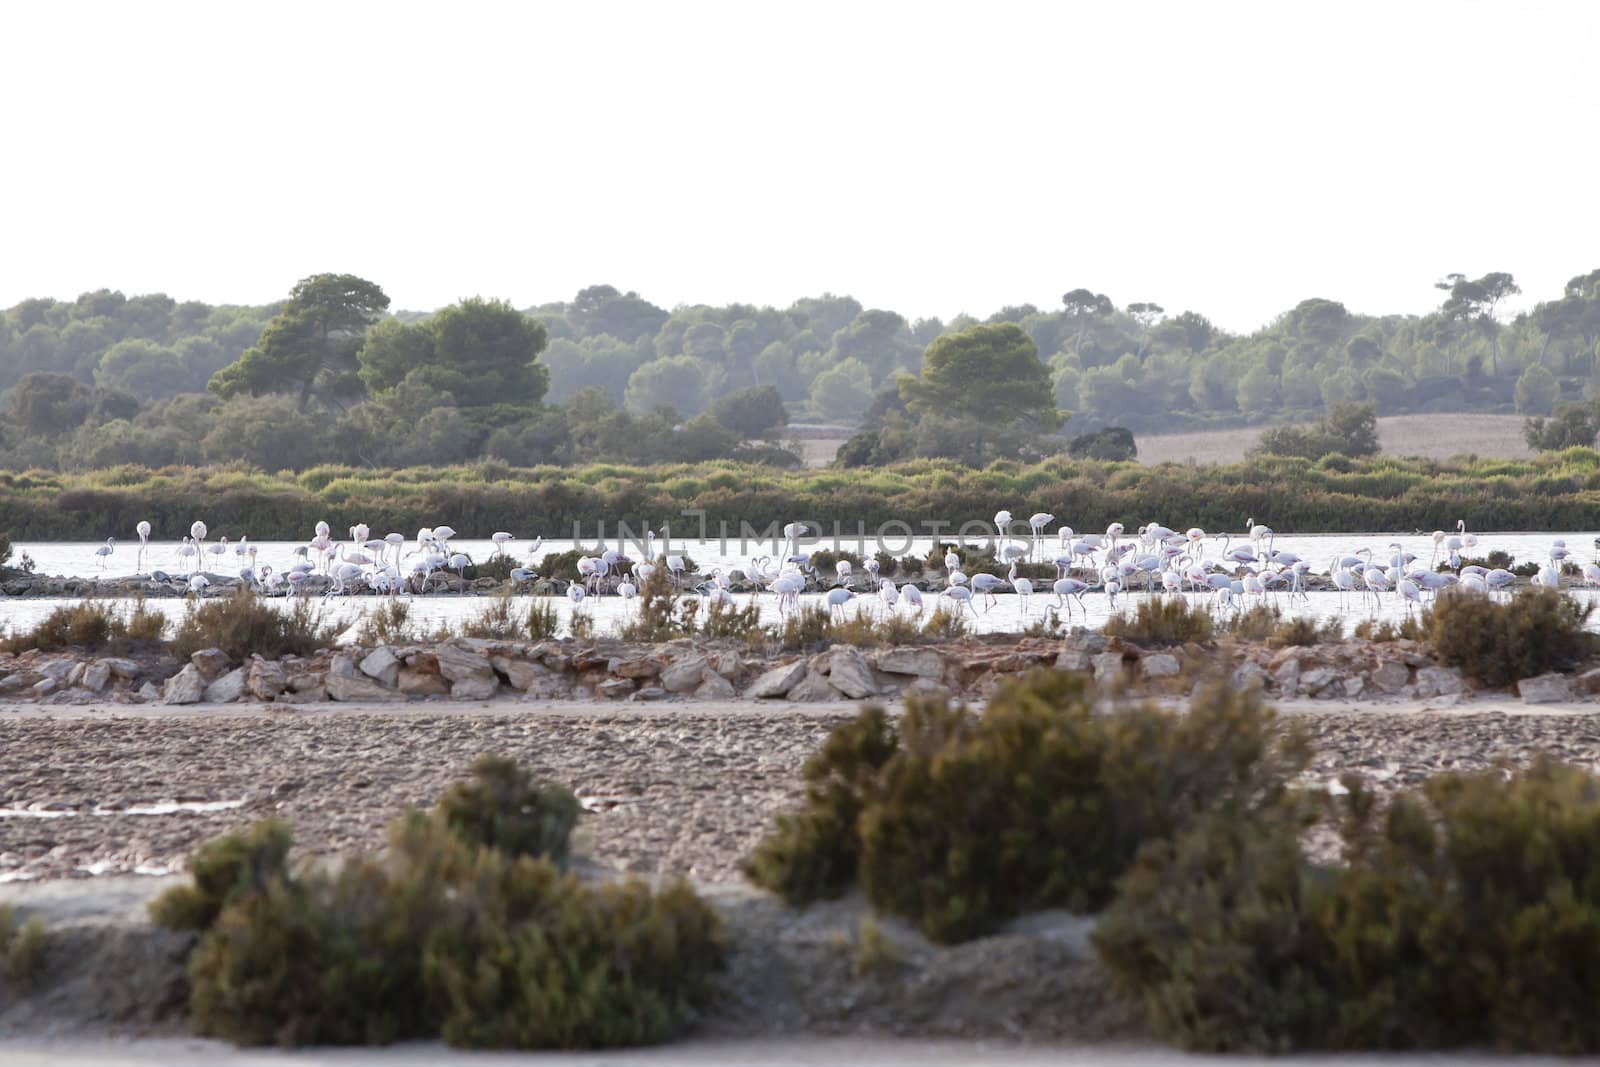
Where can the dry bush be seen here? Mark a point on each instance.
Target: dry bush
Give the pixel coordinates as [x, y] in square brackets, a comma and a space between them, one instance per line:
[243, 624]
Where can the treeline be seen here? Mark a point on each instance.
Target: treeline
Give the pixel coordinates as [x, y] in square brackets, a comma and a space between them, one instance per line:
[1556, 490]
[356, 372]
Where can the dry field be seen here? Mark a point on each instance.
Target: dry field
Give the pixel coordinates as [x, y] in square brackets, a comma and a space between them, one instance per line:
[1428, 436]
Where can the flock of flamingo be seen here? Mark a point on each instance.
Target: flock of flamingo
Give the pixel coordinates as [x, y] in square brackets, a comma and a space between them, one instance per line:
[1156, 559]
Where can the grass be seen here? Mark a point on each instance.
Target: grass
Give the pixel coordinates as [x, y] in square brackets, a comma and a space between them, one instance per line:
[92, 625]
[243, 624]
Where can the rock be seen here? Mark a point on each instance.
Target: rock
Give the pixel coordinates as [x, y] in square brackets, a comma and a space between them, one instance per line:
[266, 679]
[1545, 689]
[778, 681]
[1282, 656]
[636, 667]
[615, 688]
[1587, 683]
[228, 688]
[356, 687]
[519, 673]
[1074, 660]
[684, 675]
[212, 663]
[716, 687]
[16, 683]
[1391, 676]
[1318, 680]
[1107, 666]
[1287, 676]
[188, 686]
[920, 662]
[149, 693]
[728, 665]
[814, 687]
[1354, 686]
[1438, 681]
[96, 676]
[1090, 641]
[849, 674]
[123, 668]
[650, 692]
[310, 680]
[75, 676]
[417, 683]
[45, 686]
[57, 670]
[1160, 665]
[381, 665]
[314, 695]
[1249, 675]
[344, 666]
[469, 672]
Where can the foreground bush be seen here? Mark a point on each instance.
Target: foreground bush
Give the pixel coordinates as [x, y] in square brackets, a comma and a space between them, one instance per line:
[467, 928]
[1496, 643]
[1162, 621]
[1467, 913]
[959, 822]
[22, 948]
[243, 623]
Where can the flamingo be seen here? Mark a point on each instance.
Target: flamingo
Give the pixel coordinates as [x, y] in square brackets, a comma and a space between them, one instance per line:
[888, 594]
[1037, 522]
[837, 599]
[219, 549]
[912, 595]
[500, 539]
[842, 570]
[197, 531]
[1259, 534]
[105, 550]
[1065, 588]
[1021, 586]
[961, 595]
[984, 585]
[143, 530]
[198, 584]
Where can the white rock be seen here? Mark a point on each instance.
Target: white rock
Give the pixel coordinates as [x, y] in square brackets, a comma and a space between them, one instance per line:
[352, 687]
[716, 687]
[778, 681]
[96, 676]
[849, 674]
[921, 662]
[228, 688]
[1107, 666]
[1160, 665]
[684, 675]
[188, 686]
[1545, 689]
[381, 665]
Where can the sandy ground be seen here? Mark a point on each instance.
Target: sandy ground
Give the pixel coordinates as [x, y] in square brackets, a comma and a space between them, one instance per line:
[1429, 436]
[685, 788]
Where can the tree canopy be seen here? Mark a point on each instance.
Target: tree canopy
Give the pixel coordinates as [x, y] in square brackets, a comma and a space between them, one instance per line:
[991, 373]
[477, 352]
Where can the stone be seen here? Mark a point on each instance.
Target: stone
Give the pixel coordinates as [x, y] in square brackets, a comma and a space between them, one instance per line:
[918, 662]
[615, 688]
[149, 693]
[1318, 680]
[716, 687]
[266, 679]
[849, 674]
[75, 676]
[212, 663]
[1439, 681]
[96, 676]
[344, 666]
[475, 687]
[728, 664]
[1107, 666]
[814, 687]
[1160, 665]
[637, 667]
[417, 683]
[309, 680]
[228, 688]
[469, 672]
[1545, 689]
[684, 675]
[16, 683]
[45, 686]
[519, 673]
[1354, 686]
[778, 681]
[315, 695]
[1391, 676]
[123, 668]
[1090, 641]
[1074, 660]
[1287, 676]
[381, 665]
[57, 670]
[1249, 675]
[1587, 683]
[1283, 656]
[650, 692]
[188, 686]
[357, 687]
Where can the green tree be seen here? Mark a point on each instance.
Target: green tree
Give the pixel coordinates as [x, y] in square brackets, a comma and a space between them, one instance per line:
[1570, 426]
[601, 309]
[750, 412]
[987, 372]
[1473, 302]
[481, 352]
[1536, 391]
[843, 391]
[48, 404]
[1085, 308]
[677, 382]
[311, 344]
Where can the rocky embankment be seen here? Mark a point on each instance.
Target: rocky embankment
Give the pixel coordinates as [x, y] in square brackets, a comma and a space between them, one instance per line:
[477, 669]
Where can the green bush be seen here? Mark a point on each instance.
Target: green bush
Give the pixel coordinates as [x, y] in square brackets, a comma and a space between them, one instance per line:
[467, 928]
[502, 807]
[1495, 644]
[960, 822]
[91, 625]
[1162, 621]
[22, 947]
[243, 624]
[1466, 913]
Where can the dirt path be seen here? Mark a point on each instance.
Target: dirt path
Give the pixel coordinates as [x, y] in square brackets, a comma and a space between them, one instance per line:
[683, 789]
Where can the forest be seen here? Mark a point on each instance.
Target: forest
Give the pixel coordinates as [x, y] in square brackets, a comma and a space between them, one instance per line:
[332, 375]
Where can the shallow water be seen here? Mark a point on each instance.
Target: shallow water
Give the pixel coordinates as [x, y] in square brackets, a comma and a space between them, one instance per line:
[1008, 614]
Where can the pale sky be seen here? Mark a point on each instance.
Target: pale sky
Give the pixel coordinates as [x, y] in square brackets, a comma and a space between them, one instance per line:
[931, 158]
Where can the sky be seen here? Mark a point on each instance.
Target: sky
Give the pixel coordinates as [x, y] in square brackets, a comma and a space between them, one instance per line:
[931, 158]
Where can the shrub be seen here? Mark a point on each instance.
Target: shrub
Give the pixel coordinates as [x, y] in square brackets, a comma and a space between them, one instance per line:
[494, 620]
[958, 822]
[504, 808]
[89, 625]
[581, 628]
[1411, 628]
[1162, 621]
[468, 927]
[1466, 913]
[389, 624]
[945, 625]
[807, 627]
[22, 947]
[497, 566]
[543, 621]
[1495, 644]
[243, 624]
[1304, 631]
